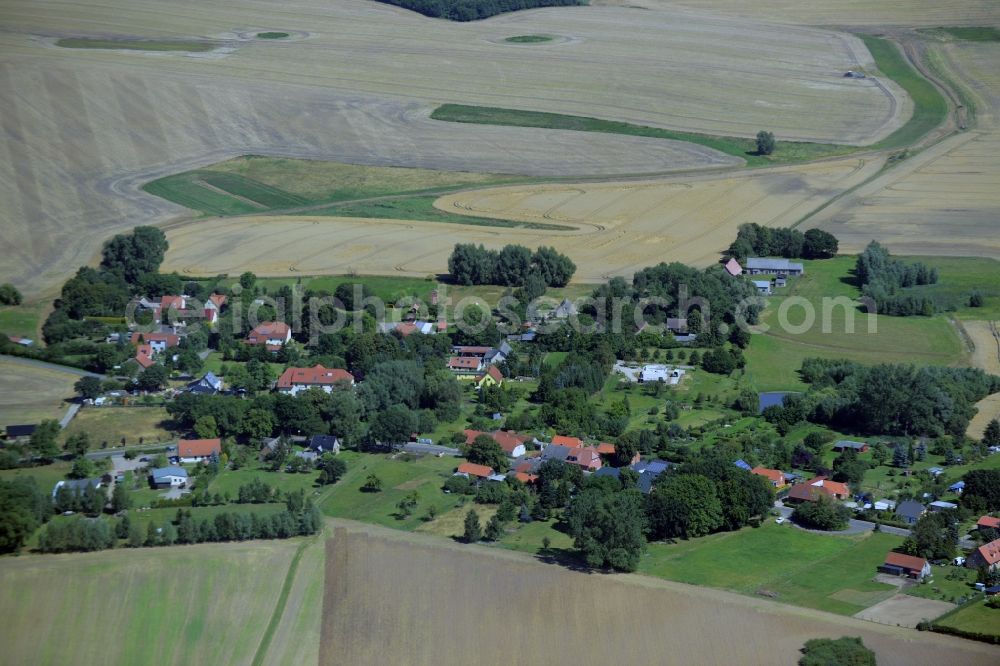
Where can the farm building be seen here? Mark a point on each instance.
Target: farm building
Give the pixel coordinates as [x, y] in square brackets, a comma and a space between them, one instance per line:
[168, 477]
[660, 373]
[76, 485]
[466, 367]
[988, 522]
[24, 431]
[957, 487]
[763, 287]
[295, 380]
[761, 266]
[197, 450]
[906, 565]
[512, 443]
[844, 444]
[941, 506]
[910, 511]
[733, 267]
[987, 555]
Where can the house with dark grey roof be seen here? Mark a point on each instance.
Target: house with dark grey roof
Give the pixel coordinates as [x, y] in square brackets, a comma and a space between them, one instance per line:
[20, 431]
[324, 444]
[207, 385]
[76, 485]
[844, 444]
[763, 266]
[556, 452]
[910, 511]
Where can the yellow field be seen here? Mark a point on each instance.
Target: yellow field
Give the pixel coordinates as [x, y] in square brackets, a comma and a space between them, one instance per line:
[987, 357]
[29, 394]
[393, 597]
[84, 129]
[945, 200]
[618, 227]
[855, 13]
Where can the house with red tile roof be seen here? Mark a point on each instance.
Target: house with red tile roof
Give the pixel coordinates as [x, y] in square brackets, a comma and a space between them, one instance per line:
[466, 367]
[988, 522]
[160, 342]
[905, 565]
[987, 555]
[512, 443]
[563, 440]
[810, 491]
[586, 457]
[144, 356]
[273, 334]
[525, 478]
[492, 377]
[468, 469]
[295, 380]
[196, 450]
[775, 476]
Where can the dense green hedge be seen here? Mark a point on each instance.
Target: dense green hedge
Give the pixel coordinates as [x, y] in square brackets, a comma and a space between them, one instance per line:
[473, 10]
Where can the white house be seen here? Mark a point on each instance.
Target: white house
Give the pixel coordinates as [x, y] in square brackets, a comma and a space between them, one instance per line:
[763, 287]
[296, 380]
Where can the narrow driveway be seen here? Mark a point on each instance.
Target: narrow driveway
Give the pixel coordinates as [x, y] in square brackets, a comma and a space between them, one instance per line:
[853, 526]
[70, 413]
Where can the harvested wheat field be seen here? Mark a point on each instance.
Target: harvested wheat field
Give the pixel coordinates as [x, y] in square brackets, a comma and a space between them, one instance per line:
[612, 228]
[852, 13]
[944, 200]
[356, 82]
[985, 335]
[393, 597]
[30, 393]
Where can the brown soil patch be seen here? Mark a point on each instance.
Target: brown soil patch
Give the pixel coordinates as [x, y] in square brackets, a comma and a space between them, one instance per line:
[902, 610]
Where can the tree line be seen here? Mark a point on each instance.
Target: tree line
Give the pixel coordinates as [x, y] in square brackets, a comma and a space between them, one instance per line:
[474, 10]
[512, 266]
[754, 240]
[883, 280]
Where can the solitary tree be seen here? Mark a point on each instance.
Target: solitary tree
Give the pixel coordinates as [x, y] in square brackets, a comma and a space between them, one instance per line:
[765, 143]
[88, 387]
[473, 530]
[9, 295]
[373, 484]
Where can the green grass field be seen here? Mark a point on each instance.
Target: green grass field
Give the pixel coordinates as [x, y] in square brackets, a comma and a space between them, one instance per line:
[977, 617]
[21, 320]
[929, 106]
[425, 476]
[164, 605]
[949, 584]
[786, 152]
[231, 480]
[774, 358]
[271, 35]
[831, 573]
[136, 44]
[958, 278]
[969, 34]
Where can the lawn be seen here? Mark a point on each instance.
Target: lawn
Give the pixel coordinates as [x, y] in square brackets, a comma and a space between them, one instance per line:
[786, 152]
[231, 480]
[774, 358]
[452, 523]
[929, 106]
[45, 476]
[123, 606]
[113, 425]
[424, 476]
[136, 44]
[529, 537]
[21, 320]
[976, 617]
[826, 572]
[949, 584]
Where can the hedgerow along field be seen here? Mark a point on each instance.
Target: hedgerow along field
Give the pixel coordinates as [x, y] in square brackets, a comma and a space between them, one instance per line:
[164, 605]
[391, 579]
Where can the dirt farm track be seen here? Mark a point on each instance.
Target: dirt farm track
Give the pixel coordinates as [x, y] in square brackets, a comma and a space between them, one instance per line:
[83, 129]
[546, 614]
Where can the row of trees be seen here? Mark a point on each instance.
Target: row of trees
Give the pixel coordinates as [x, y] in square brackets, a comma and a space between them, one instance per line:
[754, 240]
[512, 266]
[883, 278]
[474, 10]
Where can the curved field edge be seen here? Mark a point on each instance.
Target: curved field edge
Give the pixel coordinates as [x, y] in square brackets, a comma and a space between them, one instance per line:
[189, 46]
[222, 190]
[930, 110]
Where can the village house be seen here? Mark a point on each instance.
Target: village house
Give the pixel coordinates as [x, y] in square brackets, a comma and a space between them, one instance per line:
[295, 380]
[763, 287]
[811, 490]
[586, 457]
[324, 444]
[472, 470]
[844, 444]
[492, 377]
[733, 267]
[775, 476]
[272, 334]
[606, 449]
[158, 342]
[168, 477]
[899, 564]
[909, 511]
[762, 266]
[512, 443]
[988, 522]
[19, 432]
[466, 367]
[570, 442]
[76, 486]
[987, 555]
[197, 450]
[209, 384]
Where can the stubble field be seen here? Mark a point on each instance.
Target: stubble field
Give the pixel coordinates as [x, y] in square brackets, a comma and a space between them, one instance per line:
[29, 393]
[944, 200]
[435, 602]
[613, 228]
[985, 335]
[84, 128]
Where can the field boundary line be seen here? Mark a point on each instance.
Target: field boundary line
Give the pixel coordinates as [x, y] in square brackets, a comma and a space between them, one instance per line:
[279, 607]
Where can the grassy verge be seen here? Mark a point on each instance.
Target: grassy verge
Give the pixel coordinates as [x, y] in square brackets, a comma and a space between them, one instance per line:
[136, 44]
[975, 620]
[929, 106]
[786, 152]
[422, 209]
